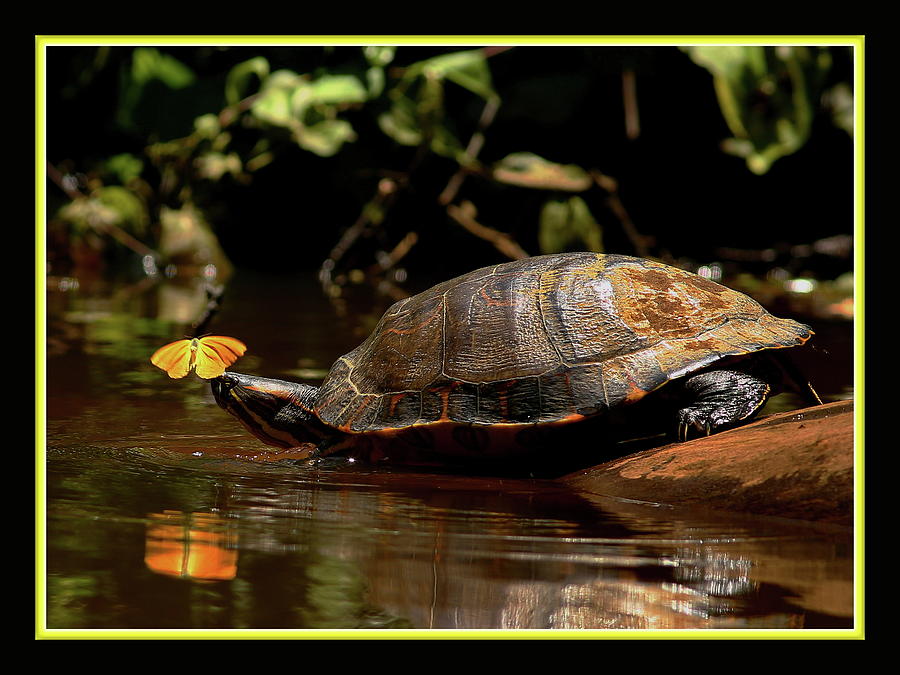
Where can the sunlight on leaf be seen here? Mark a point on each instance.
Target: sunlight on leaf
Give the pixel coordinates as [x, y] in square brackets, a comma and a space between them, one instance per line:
[338, 89]
[839, 101]
[526, 169]
[309, 108]
[326, 138]
[468, 69]
[275, 102]
[379, 55]
[214, 165]
[207, 126]
[150, 64]
[238, 78]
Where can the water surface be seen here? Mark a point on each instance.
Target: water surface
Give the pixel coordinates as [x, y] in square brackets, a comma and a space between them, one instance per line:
[161, 513]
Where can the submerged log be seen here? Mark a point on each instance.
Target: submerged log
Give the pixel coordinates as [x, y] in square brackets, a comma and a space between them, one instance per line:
[794, 465]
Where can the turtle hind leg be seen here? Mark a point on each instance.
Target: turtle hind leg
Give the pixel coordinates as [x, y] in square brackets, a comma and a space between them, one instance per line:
[719, 399]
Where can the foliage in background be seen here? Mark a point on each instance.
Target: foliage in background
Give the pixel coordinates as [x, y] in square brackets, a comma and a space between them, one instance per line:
[153, 202]
[768, 96]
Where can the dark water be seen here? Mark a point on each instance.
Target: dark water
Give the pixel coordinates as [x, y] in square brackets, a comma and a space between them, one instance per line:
[163, 514]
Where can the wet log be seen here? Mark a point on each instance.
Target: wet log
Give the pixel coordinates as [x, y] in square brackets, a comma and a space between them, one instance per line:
[793, 465]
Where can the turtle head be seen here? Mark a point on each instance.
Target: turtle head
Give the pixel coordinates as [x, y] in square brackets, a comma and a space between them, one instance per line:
[276, 412]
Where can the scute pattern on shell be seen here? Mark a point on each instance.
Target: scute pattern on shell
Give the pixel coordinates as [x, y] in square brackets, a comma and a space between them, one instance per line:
[545, 339]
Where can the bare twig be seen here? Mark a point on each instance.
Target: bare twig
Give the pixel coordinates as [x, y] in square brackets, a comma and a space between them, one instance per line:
[385, 197]
[476, 142]
[127, 240]
[56, 176]
[640, 242]
[630, 102]
[214, 294]
[385, 194]
[230, 113]
[399, 251]
[465, 216]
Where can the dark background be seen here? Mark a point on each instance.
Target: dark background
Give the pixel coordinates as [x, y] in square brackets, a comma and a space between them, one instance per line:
[563, 103]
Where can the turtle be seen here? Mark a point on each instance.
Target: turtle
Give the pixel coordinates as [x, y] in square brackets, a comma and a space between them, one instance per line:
[494, 362]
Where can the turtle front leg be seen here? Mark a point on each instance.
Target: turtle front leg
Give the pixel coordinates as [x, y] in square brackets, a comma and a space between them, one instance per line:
[720, 399]
[309, 455]
[326, 446]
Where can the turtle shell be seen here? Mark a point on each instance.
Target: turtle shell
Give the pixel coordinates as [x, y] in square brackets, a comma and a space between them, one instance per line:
[547, 339]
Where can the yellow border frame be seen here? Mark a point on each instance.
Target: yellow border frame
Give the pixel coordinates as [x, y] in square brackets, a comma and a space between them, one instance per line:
[857, 42]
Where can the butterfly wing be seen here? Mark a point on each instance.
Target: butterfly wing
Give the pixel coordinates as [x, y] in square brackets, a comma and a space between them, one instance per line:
[174, 358]
[215, 353]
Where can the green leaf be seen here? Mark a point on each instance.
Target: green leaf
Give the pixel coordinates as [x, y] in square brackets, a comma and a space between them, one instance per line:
[283, 79]
[401, 123]
[325, 138]
[308, 109]
[468, 69]
[207, 126]
[214, 165]
[839, 102]
[149, 64]
[404, 123]
[375, 81]
[274, 107]
[526, 169]
[131, 213]
[417, 111]
[124, 167]
[767, 96]
[274, 103]
[300, 99]
[108, 205]
[730, 61]
[333, 89]
[444, 143]
[238, 77]
[568, 225]
[379, 55]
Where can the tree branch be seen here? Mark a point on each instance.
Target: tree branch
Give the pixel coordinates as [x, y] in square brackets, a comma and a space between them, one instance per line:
[465, 216]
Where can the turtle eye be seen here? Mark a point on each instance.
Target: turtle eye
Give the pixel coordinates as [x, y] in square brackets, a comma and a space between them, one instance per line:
[221, 389]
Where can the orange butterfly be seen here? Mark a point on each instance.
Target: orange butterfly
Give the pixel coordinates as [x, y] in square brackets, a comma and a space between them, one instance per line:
[209, 356]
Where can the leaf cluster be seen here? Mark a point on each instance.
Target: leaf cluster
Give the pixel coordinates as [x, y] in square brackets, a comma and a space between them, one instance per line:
[169, 190]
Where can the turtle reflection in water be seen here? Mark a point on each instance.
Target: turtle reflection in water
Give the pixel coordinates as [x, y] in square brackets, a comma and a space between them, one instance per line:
[498, 361]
